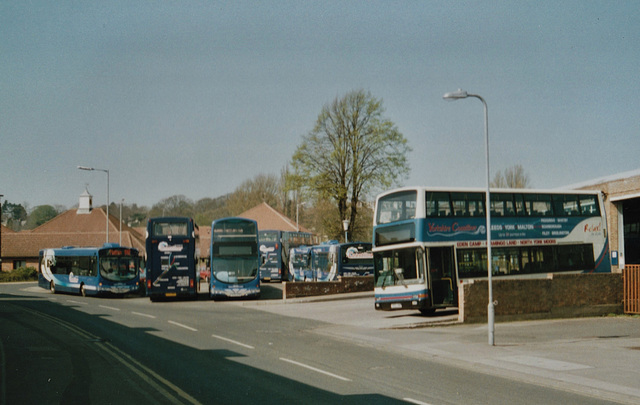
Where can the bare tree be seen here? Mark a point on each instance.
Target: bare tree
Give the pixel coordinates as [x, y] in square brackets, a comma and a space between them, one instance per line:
[511, 177]
[262, 188]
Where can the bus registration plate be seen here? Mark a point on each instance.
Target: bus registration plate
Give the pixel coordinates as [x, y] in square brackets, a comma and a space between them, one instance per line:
[396, 305]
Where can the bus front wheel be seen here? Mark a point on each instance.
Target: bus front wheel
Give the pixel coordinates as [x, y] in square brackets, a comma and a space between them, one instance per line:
[52, 287]
[82, 291]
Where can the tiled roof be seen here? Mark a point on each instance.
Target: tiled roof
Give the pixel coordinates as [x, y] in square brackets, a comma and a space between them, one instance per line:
[28, 244]
[69, 229]
[6, 230]
[268, 217]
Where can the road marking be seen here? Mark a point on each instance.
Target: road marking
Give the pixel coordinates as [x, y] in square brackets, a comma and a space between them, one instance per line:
[183, 326]
[160, 384]
[317, 370]
[141, 314]
[235, 342]
[415, 401]
[77, 302]
[111, 308]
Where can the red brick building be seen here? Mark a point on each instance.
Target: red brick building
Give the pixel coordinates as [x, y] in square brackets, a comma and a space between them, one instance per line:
[82, 227]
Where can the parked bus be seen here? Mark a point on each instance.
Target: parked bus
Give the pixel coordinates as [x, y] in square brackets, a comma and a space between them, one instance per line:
[351, 259]
[235, 259]
[110, 269]
[321, 263]
[300, 264]
[274, 248]
[172, 255]
[425, 240]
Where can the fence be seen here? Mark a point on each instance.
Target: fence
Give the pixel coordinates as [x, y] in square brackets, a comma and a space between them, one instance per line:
[631, 275]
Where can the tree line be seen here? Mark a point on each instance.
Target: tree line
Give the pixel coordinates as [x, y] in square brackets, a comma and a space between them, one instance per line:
[352, 152]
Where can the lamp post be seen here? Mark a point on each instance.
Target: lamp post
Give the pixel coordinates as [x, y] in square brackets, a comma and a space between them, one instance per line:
[457, 95]
[345, 226]
[297, 207]
[121, 202]
[106, 171]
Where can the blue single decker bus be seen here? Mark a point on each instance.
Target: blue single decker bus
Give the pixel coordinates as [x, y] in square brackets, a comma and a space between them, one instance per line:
[351, 259]
[235, 259]
[172, 255]
[107, 270]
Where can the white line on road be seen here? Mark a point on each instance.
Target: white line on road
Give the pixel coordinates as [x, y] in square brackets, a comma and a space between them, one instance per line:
[317, 370]
[235, 342]
[415, 401]
[183, 326]
[111, 308]
[77, 302]
[141, 314]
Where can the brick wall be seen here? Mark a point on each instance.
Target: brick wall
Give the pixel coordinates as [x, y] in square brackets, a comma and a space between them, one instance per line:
[556, 296]
[310, 288]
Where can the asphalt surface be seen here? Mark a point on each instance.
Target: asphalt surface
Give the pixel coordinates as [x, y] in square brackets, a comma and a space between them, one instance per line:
[599, 357]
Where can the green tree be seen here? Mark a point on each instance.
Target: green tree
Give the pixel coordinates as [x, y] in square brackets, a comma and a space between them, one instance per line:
[13, 215]
[351, 151]
[40, 215]
[511, 177]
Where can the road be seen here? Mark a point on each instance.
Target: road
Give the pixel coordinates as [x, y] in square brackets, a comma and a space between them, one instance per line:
[69, 349]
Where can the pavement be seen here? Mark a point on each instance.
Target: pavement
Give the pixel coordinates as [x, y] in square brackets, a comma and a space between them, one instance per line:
[599, 357]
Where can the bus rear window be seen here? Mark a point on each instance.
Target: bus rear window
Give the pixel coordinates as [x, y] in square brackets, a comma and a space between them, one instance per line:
[397, 207]
[170, 229]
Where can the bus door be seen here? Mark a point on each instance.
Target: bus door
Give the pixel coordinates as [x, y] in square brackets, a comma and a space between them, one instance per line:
[442, 276]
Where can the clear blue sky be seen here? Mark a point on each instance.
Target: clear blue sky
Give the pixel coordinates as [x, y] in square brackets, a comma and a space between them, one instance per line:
[195, 97]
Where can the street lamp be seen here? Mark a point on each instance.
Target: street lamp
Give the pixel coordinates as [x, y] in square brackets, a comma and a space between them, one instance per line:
[121, 202]
[345, 226]
[297, 207]
[106, 171]
[457, 95]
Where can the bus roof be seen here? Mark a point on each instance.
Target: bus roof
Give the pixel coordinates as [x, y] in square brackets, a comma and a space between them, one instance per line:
[491, 190]
[84, 250]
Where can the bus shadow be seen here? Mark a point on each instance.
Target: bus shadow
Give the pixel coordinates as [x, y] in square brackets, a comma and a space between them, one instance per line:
[435, 316]
[270, 291]
[154, 364]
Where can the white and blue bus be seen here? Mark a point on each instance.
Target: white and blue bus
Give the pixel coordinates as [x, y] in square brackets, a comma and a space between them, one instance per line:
[300, 264]
[426, 239]
[321, 262]
[330, 260]
[172, 256]
[235, 259]
[275, 246]
[351, 259]
[107, 270]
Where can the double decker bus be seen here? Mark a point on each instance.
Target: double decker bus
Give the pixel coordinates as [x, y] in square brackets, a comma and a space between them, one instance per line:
[321, 262]
[110, 269]
[426, 239]
[274, 249]
[300, 264]
[172, 255]
[235, 259]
